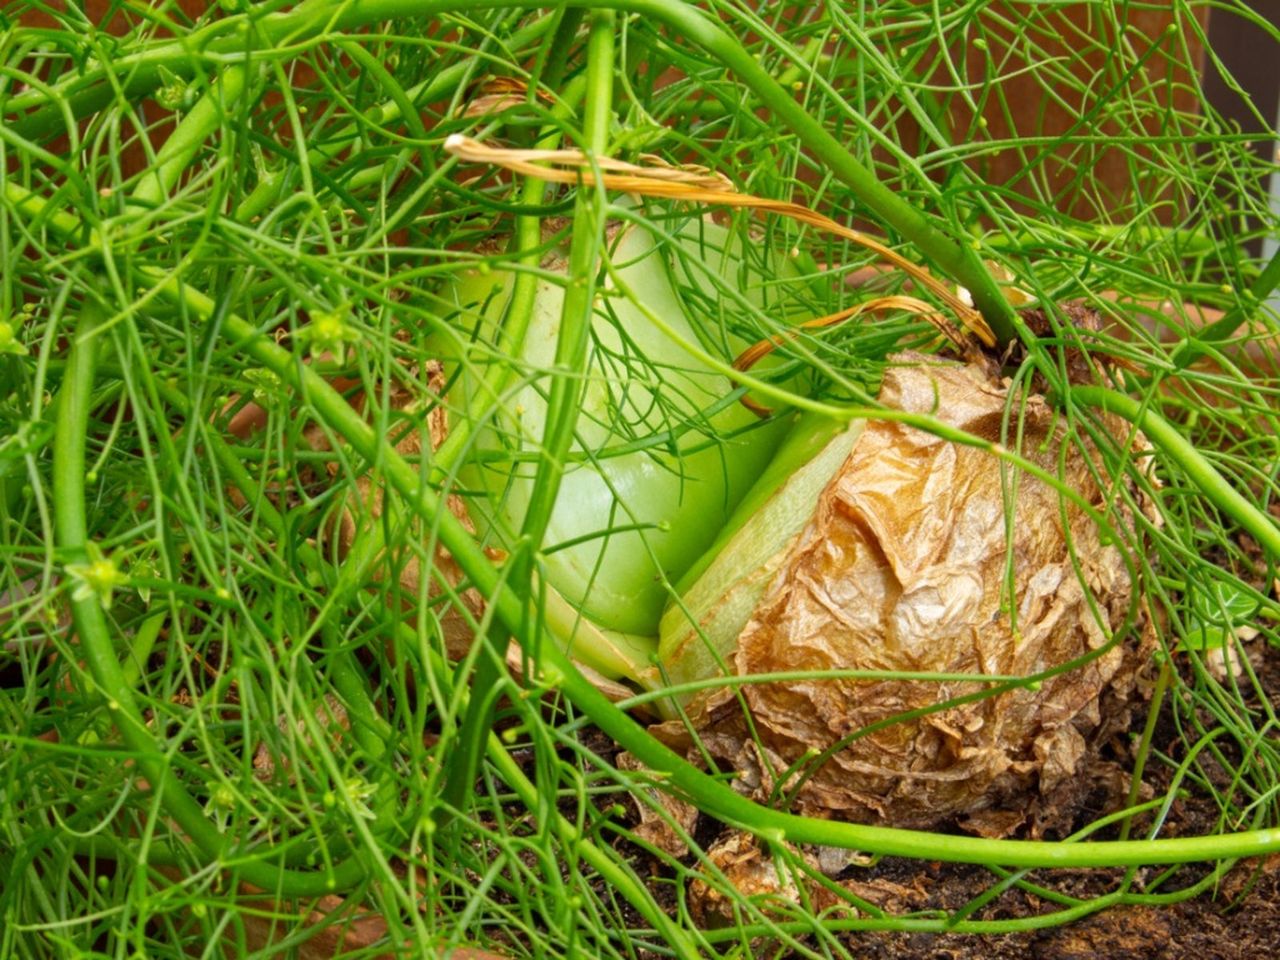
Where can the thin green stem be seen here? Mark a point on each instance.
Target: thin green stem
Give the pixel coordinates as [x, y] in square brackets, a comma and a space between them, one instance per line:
[562, 409]
[575, 317]
[75, 404]
[1172, 444]
[960, 261]
[1143, 750]
[189, 136]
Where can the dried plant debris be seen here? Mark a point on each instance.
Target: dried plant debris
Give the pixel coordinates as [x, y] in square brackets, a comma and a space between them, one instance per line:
[664, 820]
[334, 927]
[747, 868]
[740, 865]
[906, 565]
[271, 760]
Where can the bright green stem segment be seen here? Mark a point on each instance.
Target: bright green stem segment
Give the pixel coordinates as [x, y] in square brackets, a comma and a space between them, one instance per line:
[562, 408]
[1180, 450]
[229, 38]
[575, 317]
[189, 136]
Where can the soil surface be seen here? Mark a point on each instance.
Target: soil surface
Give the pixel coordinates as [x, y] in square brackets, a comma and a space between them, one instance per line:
[1241, 921]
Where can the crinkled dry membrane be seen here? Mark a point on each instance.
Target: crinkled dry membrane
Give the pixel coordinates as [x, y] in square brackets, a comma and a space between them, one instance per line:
[891, 549]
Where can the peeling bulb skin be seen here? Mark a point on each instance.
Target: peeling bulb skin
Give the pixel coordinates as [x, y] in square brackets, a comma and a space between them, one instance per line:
[905, 565]
[719, 593]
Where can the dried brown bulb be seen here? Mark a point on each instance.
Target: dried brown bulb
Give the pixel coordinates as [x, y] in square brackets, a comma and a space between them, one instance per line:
[905, 564]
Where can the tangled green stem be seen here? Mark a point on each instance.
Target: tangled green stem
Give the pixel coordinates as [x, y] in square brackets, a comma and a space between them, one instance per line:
[1170, 442]
[960, 261]
[75, 403]
[557, 669]
[220, 44]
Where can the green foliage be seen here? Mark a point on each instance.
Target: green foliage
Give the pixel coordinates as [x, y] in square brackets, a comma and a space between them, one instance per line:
[198, 688]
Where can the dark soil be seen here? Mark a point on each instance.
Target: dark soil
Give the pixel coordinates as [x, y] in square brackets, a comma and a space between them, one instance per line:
[1241, 920]
[1219, 927]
